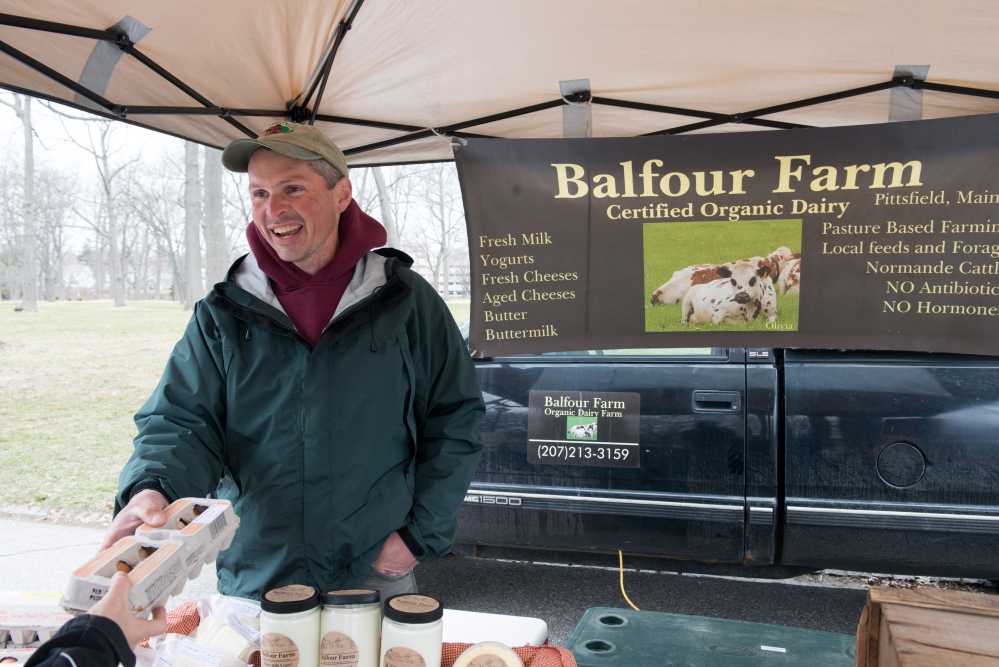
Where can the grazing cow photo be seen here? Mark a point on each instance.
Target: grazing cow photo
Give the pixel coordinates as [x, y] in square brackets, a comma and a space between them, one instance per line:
[743, 292]
[683, 279]
[722, 275]
[790, 278]
[582, 431]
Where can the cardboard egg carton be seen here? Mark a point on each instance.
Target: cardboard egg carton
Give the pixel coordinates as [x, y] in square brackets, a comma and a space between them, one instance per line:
[19, 654]
[22, 636]
[155, 568]
[27, 617]
[158, 560]
[204, 525]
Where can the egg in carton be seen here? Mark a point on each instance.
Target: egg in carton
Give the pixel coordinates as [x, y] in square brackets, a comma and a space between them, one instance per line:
[156, 569]
[27, 616]
[204, 525]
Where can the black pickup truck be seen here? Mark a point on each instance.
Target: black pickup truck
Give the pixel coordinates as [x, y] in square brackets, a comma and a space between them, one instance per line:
[869, 461]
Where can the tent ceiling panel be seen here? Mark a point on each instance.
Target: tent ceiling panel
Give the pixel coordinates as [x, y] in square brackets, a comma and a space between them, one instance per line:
[940, 105]
[431, 149]
[73, 53]
[436, 65]
[863, 109]
[349, 137]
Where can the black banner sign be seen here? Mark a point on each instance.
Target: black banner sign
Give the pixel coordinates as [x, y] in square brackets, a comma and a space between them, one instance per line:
[583, 428]
[870, 237]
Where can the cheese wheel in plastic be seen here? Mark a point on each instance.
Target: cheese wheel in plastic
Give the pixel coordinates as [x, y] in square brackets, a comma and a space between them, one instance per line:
[488, 654]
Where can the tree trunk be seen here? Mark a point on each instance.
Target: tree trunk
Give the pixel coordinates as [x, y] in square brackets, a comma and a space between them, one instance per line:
[446, 270]
[158, 281]
[29, 299]
[385, 202]
[192, 226]
[98, 266]
[444, 233]
[216, 244]
[114, 250]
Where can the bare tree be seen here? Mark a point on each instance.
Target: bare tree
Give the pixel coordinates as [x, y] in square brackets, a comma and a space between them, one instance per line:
[158, 202]
[29, 300]
[192, 225]
[440, 229]
[53, 205]
[100, 143]
[216, 243]
[385, 204]
[238, 212]
[392, 191]
[10, 230]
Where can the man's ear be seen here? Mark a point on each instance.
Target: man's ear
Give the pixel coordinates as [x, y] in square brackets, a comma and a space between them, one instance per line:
[345, 192]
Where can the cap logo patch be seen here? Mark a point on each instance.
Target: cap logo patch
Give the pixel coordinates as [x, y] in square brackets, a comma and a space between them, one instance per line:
[277, 128]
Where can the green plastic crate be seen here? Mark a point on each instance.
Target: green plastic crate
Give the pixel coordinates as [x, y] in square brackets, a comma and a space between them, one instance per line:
[607, 637]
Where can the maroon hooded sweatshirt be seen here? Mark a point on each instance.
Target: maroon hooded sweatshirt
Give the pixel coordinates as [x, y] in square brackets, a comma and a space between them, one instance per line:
[310, 301]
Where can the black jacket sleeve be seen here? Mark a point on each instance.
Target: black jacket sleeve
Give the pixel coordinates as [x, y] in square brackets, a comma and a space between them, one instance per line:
[85, 641]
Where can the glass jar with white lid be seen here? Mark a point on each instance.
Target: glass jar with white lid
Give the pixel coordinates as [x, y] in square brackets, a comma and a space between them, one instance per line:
[350, 627]
[412, 630]
[289, 627]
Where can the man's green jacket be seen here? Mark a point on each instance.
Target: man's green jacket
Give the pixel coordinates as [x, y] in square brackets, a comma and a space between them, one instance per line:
[324, 452]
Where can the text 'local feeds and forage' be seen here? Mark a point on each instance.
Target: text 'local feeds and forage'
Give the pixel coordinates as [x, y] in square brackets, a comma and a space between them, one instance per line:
[512, 279]
[928, 267]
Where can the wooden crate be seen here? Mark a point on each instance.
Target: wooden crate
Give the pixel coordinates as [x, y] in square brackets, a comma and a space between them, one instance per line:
[928, 626]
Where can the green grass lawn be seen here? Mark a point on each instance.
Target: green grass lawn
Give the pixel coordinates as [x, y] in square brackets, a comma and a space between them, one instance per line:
[72, 376]
[460, 309]
[669, 247]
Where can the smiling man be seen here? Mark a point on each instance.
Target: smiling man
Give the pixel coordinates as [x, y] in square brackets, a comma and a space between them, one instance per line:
[322, 387]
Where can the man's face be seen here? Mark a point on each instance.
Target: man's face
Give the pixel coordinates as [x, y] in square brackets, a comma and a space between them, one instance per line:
[294, 211]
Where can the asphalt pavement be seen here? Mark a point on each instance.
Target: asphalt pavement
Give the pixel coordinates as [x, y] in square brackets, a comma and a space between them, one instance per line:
[560, 594]
[37, 556]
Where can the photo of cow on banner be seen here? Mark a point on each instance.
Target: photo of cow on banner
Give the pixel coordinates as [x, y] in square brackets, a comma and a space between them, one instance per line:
[753, 293]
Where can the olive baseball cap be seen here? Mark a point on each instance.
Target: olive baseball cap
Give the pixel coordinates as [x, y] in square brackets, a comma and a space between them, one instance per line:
[302, 142]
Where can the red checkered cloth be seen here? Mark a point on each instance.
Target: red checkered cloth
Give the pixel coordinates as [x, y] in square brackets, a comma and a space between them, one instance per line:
[185, 618]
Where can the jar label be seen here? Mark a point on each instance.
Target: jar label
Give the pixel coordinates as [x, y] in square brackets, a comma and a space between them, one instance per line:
[338, 650]
[488, 660]
[293, 593]
[414, 604]
[277, 650]
[403, 657]
[353, 591]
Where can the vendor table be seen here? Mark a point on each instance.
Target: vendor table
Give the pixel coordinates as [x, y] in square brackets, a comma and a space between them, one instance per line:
[606, 637]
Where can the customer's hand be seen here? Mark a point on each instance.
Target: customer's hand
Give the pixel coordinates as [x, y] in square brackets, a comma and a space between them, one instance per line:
[114, 606]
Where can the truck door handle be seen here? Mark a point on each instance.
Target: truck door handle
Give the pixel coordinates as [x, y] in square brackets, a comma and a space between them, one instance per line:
[717, 401]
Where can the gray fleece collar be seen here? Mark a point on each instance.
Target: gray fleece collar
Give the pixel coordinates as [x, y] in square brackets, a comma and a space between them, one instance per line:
[369, 275]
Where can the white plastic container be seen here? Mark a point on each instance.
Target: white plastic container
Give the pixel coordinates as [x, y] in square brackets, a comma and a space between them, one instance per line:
[350, 628]
[412, 631]
[493, 654]
[289, 627]
[472, 627]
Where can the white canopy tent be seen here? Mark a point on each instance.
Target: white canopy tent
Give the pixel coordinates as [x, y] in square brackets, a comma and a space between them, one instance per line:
[392, 80]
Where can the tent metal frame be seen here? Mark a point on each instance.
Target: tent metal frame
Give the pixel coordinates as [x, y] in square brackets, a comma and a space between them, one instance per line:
[302, 113]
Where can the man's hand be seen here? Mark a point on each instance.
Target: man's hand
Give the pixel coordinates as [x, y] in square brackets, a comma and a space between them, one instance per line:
[115, 607]
[145, 507]
[395, 559]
